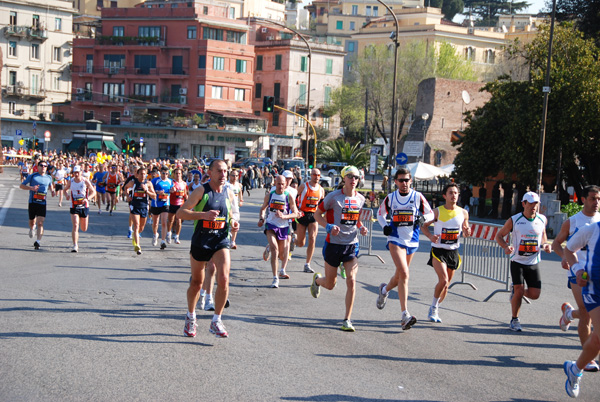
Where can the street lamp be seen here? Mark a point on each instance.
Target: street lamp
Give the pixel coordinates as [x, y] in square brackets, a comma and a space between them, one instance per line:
[294, 127]
[425, 117]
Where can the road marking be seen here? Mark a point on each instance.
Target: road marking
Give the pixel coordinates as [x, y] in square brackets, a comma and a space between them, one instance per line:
[6, 205]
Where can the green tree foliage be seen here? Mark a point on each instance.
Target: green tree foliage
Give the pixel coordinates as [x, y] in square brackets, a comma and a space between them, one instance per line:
[341, 151]
[347, 102]
[486, 12]
[449, 7]
[585, 14]
[504, 134]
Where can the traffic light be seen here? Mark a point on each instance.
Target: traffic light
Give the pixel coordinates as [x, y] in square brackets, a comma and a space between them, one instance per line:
[36, 143]
[131, 146]
[268, 104]
[124, 145]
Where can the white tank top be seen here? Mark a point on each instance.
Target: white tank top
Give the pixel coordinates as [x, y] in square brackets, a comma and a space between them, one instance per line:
[576, 222]
[278, 202]
[78, 194]
[449, 227]
[527, 238]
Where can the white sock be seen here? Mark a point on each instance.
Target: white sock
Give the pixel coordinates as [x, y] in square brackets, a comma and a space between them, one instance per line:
[405, 313]
[216, 317]
[191, 315]
[384, 289]
[570, 315]
[436, 302]
[131, 228]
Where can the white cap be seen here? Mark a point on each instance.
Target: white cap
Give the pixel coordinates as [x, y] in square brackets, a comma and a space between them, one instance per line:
[531, 197]
[287, 174]
[76, 168]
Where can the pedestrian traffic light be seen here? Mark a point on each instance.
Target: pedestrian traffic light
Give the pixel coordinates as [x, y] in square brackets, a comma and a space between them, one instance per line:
[268, 104]
[124, 145]
[131, 146]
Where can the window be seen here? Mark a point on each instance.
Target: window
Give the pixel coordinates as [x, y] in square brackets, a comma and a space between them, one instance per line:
[213, 33]
[328, 66]
[302, 95]
[12, 48]
[327, 97]
[490, 56]
[354, 10]
[438, 158]
[35, 84]
[236, 37]
[218, 63]
[13, 18]
[99, 4]
[303, 63]
[149, 32]
[58, 24]
[191, 32]
[200, 90]
[89, 63]
[470, 53]
[143, 63]
[259, 63]
[339, 25]
[352, 26]
[114, 91]
[12, 78]
[202, 61]
[56, 83]
[144, 89]
[56, 54]
[369, 11]
[277, 62]
[88, 91]
[113, 4]
[232, 13]
[239, 94]
[205, 10]
[88, 115]
[12, 107]
[258, 91]
[33, 110]
[35, 21]
[375, 11]
[350, 46]
[326, 122]
[217, 92]
[119, 31]
[275, 117]
[302, 122]
[240, 66]
[114, 62]
[277, 92]
[168, 150]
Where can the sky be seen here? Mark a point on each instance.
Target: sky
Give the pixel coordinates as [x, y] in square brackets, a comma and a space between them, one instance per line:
[536, 5]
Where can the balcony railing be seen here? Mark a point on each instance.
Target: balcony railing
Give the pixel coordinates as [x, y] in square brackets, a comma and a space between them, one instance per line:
[129, 70]
[25, 31]
[130, 40]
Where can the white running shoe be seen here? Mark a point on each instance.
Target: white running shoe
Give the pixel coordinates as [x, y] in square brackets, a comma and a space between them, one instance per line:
[275, 283]
[163, 245]
[308, 269]
[591, 367]
[168, 237]
[217, 328]
[515, 325]
[573, 378]
[210, 304]
[75, 248]
[155, 240]
[32, 231]
[381, 298]
[201, 302]
[190, 327]
[564, 321]
[433, 315]
[408, 321]
[177, 240]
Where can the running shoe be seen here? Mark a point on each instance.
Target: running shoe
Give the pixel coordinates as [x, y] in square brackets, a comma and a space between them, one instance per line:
[130, 234]
[217, 328]
[201, 301]
[433, 315]
[515, 325]
[407, 322]
[155, 240]
[110, 213]
[267, 253]
[163, 245]
[137, 249]
[190, 326]
[275, 283]
[315, 290]
[107, 207]
[168, 237]
[233, 245]
[99, 212]
[347, 326]
[36, 245]
[283, 275]
[75, 248]
[227, 304]
[210, 304]
[591, 367]
[564, 321]
[293, 242]
[342, 272]
[177, 240]
[308, 269]
[60, 204]
[573, 378]
[381, 298]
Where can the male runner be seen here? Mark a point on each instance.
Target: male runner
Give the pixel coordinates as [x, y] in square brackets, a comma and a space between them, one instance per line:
[449, 222]
[99, 180]
[38, 184]
[138, 204]
[179, 193]
[160, 206]
[528, 239]
[311, 194]
[282, 208]
[588, 279]
[236, 187]
[289, 177]
[112, 180]
[59, 175]
[406, 208]
[211, 207]
[79, 189]
[590, 198]
[339, 214]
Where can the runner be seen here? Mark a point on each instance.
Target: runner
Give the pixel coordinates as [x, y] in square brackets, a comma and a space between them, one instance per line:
[282, 208]
[112, 180]
[99, 180]
[211, 209]
[127, 193]
[160, 206]
[407, 208]
[179, 193]
[342, 224]
[236, 187]
[588, 279]
[590, 198]
[293, 191]
[59, 176]
[528, 239]
[38, 184]
[195, 182]
[311, 194]
[79, 189]
[138, 204]
[449, 221]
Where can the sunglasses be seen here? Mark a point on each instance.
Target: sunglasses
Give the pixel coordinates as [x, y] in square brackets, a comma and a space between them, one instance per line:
[314, 174]
[350, 176]
[403, 180]
[42, 165]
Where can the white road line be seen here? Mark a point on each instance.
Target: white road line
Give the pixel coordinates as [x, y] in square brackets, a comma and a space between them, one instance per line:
[6, 206]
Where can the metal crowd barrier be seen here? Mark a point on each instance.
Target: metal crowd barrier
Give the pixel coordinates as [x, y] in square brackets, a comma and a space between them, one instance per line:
[484, 258]
[366, 242]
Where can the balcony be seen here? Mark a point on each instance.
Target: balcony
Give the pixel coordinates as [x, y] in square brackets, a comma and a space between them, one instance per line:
[129, 71]
[17, 31]
[13, 90]
[130, 40]
[179, 99]
[34, 93]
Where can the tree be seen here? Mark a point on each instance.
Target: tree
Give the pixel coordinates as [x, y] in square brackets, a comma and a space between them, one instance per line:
[347, 102]
[341, 151]
[449, 7]
[487, 11]
[503, 135]
[585, 14]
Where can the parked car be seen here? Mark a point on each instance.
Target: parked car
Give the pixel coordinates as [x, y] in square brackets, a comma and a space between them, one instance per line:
[267, 161]
[286, 164]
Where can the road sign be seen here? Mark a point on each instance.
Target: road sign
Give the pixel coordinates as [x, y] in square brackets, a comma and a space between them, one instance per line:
[413, 148]
[141, 140]
[401, 158]
[34, 125]
[373, 164]
[34, 131]
[47, 134]
[19, 132]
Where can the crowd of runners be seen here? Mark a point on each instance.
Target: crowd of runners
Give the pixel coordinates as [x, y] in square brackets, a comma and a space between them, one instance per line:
[291, 215]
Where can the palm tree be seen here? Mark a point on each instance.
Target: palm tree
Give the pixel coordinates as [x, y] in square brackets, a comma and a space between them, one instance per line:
[342, 151]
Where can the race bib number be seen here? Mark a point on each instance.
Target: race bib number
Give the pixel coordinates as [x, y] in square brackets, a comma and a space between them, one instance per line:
[277, 205]
[312, 202]
[180, 194]
[528, 248]
[101, 184]
[403, 217]
[139, 194]
[111, 186]
[39, 197]
[350, 216]
[449, 235]
[163, 197]
[217, 224]
[78, 202]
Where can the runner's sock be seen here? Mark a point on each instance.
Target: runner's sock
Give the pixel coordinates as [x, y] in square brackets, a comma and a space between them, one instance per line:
[216, 317]
[436, 302]
[191, 316]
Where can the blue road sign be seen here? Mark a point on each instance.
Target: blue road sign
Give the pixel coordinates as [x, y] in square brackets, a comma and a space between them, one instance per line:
[401, 158]
[34, 124]
[19, 132]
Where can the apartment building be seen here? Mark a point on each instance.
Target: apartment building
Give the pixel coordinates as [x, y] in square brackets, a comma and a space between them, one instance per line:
[36, 40]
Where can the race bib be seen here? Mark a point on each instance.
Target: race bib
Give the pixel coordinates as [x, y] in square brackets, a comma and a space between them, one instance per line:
[277, 205]
[449, 235]
[217, 224]
[528, 247]
[39, 197]
[139, 194]
[403, 217]
[163, 197]
[78, 202]
[312, 202]
[350, 216]
[180, 194]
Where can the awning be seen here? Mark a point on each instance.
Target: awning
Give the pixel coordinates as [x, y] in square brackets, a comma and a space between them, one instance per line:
[111, 146]
[236, 115]
[75, 144]
[94, 144]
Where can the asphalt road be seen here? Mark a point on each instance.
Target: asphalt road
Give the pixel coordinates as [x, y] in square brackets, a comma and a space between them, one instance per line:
[107, 325]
